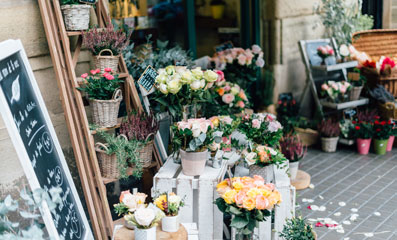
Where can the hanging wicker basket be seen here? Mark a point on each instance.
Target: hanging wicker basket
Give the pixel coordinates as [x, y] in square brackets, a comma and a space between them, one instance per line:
[388, 110]
[76, 16]
[105, 112]
[146, 152]
[107, 163]
[102, 62]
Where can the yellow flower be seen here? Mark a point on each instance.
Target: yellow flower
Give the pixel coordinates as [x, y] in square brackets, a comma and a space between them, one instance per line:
[215, 121]
[274, 198]
[229, 196]
[264, 192]
[249, 203]
[238, 186]
[160, 200]
[253, 192]
[222, 184]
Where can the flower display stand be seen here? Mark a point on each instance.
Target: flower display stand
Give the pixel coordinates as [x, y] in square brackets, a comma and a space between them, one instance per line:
[301, 181]
[200, 193]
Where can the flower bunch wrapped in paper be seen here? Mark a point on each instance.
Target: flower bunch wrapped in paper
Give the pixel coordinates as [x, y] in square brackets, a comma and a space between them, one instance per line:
[240, 65]
[325, 51]
[193, 135]
[169, 203]
[262, 128]
[263, 156]
[376, 65]
[248, 200]
[226, 125]
[178, 86]
[336, 91]
[129, 202]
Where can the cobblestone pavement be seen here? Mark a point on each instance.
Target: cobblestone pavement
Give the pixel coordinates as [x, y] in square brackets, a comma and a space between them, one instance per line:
[348, 184]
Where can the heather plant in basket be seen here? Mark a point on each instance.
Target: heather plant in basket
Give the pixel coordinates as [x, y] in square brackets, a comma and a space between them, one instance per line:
[140, 127]
[293, 148]
[98, 39]
[329, 128]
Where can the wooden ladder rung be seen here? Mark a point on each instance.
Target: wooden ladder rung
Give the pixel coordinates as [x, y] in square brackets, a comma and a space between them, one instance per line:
[129, 173]
[73, 33]
[95, 131]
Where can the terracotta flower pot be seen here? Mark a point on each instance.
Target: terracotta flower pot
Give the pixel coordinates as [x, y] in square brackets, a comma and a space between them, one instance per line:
[170, 223]
[329, 144]
[390, 143]
[363, 146]
[193, 163]
[380, 146]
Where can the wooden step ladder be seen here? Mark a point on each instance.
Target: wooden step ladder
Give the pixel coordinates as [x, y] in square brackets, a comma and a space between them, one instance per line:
[82, 138]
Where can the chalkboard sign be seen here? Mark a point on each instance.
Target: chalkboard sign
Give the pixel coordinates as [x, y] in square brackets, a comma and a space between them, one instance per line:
[88, 1]
[224, 46]
[314, 58]
[148, 78]
[33, 135]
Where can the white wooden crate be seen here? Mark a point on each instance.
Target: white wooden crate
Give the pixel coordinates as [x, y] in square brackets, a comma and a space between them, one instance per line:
[200, 192]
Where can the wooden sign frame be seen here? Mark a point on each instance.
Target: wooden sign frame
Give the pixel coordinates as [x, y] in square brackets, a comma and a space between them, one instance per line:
[143, 74]
[8, 48]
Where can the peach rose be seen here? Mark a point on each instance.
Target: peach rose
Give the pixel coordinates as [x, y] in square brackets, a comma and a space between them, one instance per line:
[249, 203]
[256, 123]
[240, 104]
[261, 202]
[228, 98]
[258, 180]
[242, 95]
[239, 198]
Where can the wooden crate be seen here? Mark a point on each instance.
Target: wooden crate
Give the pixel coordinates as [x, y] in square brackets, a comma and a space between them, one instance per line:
[200, 192]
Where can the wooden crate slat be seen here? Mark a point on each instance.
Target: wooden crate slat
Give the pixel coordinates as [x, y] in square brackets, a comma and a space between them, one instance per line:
[205, 206]
[184, 188]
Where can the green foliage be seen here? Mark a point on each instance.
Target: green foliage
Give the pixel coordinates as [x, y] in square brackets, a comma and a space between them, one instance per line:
[127, 152]
[342, 18]
[297, 229]
[99, 87]
[64, 2]
[28, 209]
[244, 221]
[120, 209]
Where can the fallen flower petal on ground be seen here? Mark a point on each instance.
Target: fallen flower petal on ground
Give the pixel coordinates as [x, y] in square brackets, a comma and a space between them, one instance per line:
[337, 214]
[342, 204]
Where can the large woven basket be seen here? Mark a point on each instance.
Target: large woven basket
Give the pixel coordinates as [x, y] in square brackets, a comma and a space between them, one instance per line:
[76, 16]
[308, 136]
[102, 62]
[377, 43]
[107, 163]
[388, 110]
[146, 153]
[105, 112]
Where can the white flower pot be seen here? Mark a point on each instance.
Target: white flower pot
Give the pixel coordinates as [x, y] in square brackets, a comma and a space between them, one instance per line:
[170, 224]
[145, 234]
[293, 169]
[329, 144]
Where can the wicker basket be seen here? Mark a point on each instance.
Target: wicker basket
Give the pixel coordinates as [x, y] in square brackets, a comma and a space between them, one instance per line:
[102, 62]
[354, 94]
[146, 153]
[388, 110]
[105, 112]
[107, 163]
[377, 43]
[308, 136]
[76, 16]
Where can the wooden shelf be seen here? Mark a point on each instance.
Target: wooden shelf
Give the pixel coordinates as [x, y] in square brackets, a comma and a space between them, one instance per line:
[80, 80]
[129, 173]
[336, 67]
[119, 221]
[340, 106]
[119, 120]
[73, 33]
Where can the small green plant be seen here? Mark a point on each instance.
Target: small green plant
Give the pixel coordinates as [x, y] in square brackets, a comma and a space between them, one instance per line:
[127, 152]
[296, 228]
[28, 209]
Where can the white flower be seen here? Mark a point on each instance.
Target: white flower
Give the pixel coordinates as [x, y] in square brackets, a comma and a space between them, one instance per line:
[144, 216]
[130, 201]
[249, 158]
[170, 70]
[235, 90]
[260, 62]
[256, 49]
[197, 73]
[187, 77]
[210, 76]
[163, 88]
[196, 129]
[196, 85]
[174, 86]
[202, 83]
[274, 126]
[174, 199]
[272, 151]
[344, 50]
[162, 78]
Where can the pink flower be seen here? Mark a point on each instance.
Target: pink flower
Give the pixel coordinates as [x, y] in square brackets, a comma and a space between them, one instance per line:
[260, 62]
[183, 125]
[256, 49]
[109, 77]
[239, 198]
[242, 59]
[342, 89]
[84, 75]
[261, 202]
[270, 186]
[240, 104]
[97, 71]
[93, 72]
[309, 207]
[324, 87]
[221, 76]
[228, 98]
[108, 69]
[227, 88]
[256, 123]
[258, 180]
[319, 224]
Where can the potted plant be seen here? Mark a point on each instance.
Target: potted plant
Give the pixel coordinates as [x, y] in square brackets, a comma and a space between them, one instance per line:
[191, 139]
[296, 228]
[106, 44]
[143, 128]
[226, 126]
[170, 204]
[248, 201]
[259, 157]
[363, 132]
[392, 137]
[335, 92]
[145, 220]
[357, 81]
[329, 131]
[324, 52]
[294, 150]
[262, 128]
[382, 132]
[129, 203]
[217, 8]
[76, 15]
[105, 96]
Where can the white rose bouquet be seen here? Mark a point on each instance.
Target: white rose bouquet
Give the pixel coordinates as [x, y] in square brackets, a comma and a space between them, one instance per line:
[144, 218]
[178, 86]
[169, 203]
[129, 202]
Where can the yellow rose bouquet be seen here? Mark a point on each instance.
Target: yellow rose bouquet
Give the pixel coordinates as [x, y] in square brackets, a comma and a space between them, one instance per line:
[248, 200]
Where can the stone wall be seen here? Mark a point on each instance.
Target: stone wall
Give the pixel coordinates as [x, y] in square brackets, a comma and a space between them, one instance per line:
[20, 19]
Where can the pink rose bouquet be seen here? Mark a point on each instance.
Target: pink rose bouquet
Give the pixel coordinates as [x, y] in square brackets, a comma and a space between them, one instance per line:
[325, 51]
[248, 200]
